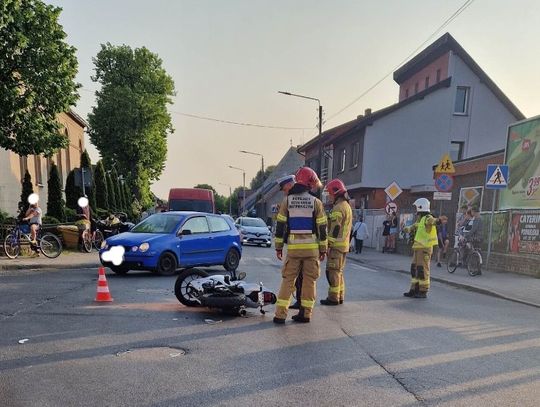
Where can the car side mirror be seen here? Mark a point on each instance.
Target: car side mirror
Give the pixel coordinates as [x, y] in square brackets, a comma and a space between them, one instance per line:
[185, 232]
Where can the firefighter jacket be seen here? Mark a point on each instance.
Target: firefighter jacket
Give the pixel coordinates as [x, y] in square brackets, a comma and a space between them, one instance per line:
[339, 232]
[301, 216]
[425, 236]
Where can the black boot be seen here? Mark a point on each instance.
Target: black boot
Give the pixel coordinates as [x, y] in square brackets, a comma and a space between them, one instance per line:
[410, 293]
[300, 317]
[326, 301]
[420, 295]
[296, 305]
[280, 321]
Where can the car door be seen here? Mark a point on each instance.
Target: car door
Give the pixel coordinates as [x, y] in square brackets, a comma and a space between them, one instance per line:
[195, 242]
[221, 238]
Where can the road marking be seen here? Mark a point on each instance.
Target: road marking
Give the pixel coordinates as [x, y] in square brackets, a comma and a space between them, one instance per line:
[358, 267]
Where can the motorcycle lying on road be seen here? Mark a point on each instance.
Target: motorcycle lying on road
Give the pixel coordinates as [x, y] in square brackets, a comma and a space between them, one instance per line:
[196, 287]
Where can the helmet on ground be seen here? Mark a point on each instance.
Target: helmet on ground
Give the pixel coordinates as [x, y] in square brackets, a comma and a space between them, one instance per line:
[307, 177]
[422, 205]
[336, 187]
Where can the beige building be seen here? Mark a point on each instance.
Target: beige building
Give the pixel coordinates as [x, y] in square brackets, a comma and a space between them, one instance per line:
[13, 166]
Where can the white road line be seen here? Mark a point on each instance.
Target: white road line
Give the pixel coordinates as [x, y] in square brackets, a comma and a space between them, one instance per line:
[358, 267]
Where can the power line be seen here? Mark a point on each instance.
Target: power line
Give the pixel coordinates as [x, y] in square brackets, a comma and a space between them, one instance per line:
[460, 10]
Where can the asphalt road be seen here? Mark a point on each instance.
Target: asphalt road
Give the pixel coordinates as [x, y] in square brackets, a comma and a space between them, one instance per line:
[457, 348]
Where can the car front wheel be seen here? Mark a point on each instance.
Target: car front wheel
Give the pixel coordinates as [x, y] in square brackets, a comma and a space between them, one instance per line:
[167, 264]
[232, 260]
[119, 269]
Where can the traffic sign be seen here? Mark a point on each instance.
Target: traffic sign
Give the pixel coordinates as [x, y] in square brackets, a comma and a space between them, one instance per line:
[393, 190]
[444, 182]
[445, 166]
[390, 207]
[442, 196]
[497, 176]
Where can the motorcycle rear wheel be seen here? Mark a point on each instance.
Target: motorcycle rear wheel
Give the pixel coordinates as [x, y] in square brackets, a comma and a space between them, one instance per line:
[182, 289]
[219, 301]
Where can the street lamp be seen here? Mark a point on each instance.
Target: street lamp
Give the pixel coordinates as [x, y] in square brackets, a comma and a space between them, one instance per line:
[230, 195]
[243, 186]
[260, 155]
[320, 123]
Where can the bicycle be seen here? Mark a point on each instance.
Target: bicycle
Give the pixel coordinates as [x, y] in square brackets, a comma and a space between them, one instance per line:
[91, 240]
[17, 239]
[465, 254]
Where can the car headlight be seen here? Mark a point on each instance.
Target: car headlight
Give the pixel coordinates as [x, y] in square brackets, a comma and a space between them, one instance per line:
[144, 247]
[104, 245]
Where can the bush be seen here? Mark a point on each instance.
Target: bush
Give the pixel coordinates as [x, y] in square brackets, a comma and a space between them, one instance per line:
[3, 216]
[71, 214]
[101, 213]
[50, 220]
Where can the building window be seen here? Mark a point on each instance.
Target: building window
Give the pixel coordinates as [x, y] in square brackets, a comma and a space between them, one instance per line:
[341, 162]
[406, 93]
[23, 163]
[426, 85]
[354, 155]
[68, 161]
[60, 172]
[462, 100]
[37, 165]
[416, 88]
[438, 75]
[456, 150]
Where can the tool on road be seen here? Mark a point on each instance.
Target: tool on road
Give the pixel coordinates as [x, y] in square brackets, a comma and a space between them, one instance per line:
[103, 294]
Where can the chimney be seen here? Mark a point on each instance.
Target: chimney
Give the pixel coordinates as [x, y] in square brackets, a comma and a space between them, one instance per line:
[367, 112]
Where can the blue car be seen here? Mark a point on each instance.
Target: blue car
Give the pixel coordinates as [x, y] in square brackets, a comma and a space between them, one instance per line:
[167, 241]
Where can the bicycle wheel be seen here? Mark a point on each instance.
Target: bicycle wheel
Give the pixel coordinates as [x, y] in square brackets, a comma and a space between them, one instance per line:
[87, 241]
[474, 263]
[453, 261]
[50, 245]
[12, 246]
[98, 239]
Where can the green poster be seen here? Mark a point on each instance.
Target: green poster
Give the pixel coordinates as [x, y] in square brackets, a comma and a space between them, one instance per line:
[523, 159]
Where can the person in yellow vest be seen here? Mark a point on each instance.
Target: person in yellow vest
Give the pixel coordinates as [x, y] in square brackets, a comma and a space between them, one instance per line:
[301, 222]
[339, 235]
[425, 237]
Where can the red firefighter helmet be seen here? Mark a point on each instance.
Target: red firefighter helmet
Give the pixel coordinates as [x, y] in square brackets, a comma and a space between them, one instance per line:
[307, 177]
[336, 187]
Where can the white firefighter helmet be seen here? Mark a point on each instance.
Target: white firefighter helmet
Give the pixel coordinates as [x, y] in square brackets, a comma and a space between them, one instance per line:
[422, 205]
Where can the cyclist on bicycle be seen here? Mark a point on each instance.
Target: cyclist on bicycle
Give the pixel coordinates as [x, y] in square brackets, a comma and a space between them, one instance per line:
[472, 232]
[33, 217]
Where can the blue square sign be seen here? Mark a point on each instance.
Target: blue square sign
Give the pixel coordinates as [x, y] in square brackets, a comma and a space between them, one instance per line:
[497, 176]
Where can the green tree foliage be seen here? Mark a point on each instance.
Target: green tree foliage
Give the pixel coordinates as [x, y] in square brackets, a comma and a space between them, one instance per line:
[86, 163]
[130, 123]
[37, 72]
[260, 177]
[236, 199]
[73, 193]
[102, 195]
[55, 202]
[27, 189]
[111, 193]
[117, 185]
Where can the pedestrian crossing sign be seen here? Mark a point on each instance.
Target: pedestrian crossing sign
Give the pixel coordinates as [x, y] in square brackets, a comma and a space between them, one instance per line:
[497, 176]
[445, 166]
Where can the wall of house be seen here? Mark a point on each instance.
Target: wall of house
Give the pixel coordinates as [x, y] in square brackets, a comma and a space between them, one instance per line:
[485, 126]
[352, 173]
[420, 77]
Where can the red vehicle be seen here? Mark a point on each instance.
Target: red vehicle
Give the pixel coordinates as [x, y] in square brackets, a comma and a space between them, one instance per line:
[191, 199]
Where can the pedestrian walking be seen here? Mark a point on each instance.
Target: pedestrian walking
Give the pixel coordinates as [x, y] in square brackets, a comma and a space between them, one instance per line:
[425, 237]
[301, 222]
[360, 233]
[442, 239]
[339, 232]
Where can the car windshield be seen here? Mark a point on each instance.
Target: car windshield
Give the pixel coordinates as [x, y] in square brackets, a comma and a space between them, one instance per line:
[254, 222]
[190, 205]
[158, 224]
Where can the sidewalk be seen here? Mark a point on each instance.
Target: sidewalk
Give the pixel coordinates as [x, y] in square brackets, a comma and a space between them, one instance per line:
[67, 260]
[513, 287]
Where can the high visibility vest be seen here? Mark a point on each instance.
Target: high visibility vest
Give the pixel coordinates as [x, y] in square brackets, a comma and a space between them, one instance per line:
[341, 217]
[424, 239]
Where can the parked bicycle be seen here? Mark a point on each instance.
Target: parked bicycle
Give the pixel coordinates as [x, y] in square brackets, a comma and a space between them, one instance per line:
[92, 240]
[466, 254]
[17, 239]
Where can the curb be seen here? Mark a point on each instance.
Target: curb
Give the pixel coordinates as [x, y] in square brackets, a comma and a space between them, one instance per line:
[8, 267]
[473, 288]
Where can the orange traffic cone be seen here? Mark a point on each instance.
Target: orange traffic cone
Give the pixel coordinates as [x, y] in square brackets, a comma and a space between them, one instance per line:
[103, 294]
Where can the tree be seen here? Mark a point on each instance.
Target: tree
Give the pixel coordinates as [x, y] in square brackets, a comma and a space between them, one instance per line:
[130, 123]
[111, 193]
[260, 177]
[27, 189]
[102, 195]
[73, 193]
[86, 163]
[117, 192]
[55, 202]
[37, 72]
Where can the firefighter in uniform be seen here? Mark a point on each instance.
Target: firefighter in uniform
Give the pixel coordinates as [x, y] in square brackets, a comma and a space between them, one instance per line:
[302, 222]
[425, 237]
[339, 233]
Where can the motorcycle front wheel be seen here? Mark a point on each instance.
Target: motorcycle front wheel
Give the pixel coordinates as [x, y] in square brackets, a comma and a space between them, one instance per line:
[183, 291]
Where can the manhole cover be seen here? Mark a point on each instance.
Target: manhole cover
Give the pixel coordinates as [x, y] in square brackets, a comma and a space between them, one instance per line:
[153, 290]
[152, 353]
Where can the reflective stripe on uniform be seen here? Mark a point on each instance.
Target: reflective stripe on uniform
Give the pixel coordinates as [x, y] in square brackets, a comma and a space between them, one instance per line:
[333, 289]
[321, 220]
[281, 218]
[302, 246]
[282, 303]
[307, 303]
[278, 240]
[339, 244]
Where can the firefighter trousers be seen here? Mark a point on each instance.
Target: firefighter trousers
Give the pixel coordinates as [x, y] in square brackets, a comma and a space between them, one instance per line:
[420, 270]
[334, 273]
[310, 268]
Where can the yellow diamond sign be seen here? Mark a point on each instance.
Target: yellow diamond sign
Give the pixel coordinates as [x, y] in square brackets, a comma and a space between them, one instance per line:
[393, 190]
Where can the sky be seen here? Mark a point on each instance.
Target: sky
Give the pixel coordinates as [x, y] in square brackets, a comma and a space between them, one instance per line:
[229, 58]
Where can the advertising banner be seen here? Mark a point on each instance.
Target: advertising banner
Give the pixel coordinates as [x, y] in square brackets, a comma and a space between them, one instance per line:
[471, 197]
[523, 159]
[499, 235]
[524, 236]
